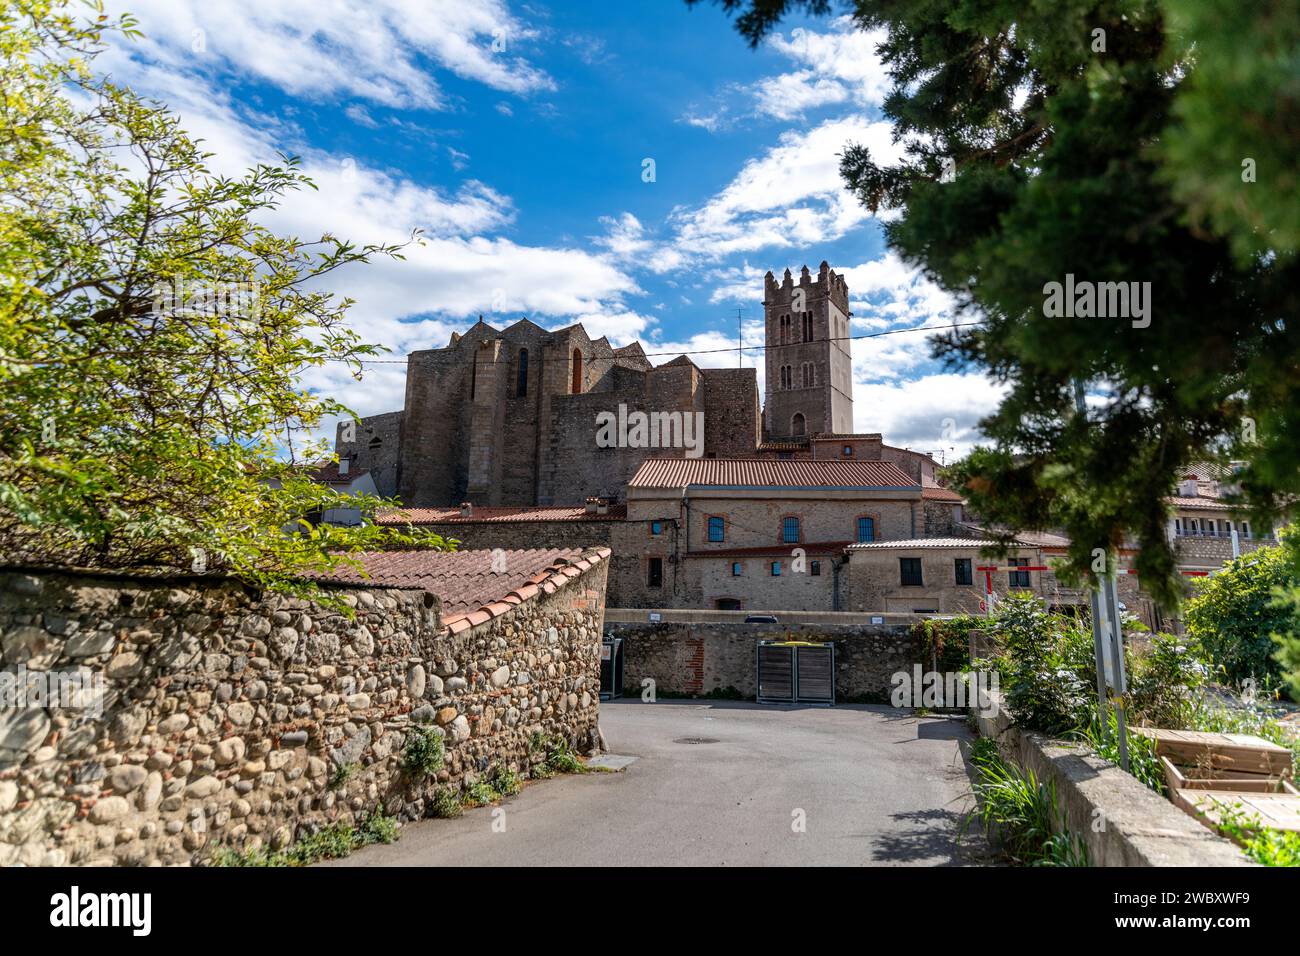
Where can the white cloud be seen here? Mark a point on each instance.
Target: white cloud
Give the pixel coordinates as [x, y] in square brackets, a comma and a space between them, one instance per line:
[321, 49]
[841, 66]
[932, 413]
[792, 195]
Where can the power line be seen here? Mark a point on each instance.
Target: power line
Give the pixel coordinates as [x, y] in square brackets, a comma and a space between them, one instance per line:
[741, 349]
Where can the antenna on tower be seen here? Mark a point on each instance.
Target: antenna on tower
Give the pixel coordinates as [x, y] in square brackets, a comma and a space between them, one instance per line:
[740, 338]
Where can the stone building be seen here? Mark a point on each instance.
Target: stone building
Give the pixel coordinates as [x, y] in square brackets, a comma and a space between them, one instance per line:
[510, 417]
[809, 367]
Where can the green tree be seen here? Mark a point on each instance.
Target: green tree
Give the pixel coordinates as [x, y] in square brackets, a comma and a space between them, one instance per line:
[139, 428]
[1286, 606]
[1236, 613]
[1103, 140]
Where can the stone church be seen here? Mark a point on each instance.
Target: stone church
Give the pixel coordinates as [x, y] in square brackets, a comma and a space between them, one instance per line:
[509, 416]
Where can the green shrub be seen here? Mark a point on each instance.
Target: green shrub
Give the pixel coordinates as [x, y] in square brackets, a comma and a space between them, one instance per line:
[1041, 670]
[329, 843]
[1264, 846]
[559, 756]
[341, 774]
[1163, 679]
[506, 782]
[1021, 812]
[377, 828]
[423, 753]
[1235, 613]
[478, 794]
[945, 642]
[446, 804]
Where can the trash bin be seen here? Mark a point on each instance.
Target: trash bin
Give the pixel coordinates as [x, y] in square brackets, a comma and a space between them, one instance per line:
[796, 672]
[611, 668]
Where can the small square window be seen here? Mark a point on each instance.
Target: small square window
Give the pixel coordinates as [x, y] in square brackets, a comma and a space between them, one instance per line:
[656, 527]
[1020, 579]
[910, 572]
[848, 451]
[963, 570]
[815, 569]
[736, 569]
[776, 569]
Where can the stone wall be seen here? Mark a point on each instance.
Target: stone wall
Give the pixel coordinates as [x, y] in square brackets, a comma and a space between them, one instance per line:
[230, 718]
[697, 659]
[376, 448]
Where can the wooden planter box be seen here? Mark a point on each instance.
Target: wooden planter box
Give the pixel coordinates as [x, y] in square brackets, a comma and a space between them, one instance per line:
[1206, 772]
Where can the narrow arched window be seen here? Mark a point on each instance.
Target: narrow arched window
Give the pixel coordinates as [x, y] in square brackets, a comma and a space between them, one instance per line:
[797, 424]
[577, 372]
[521, 382]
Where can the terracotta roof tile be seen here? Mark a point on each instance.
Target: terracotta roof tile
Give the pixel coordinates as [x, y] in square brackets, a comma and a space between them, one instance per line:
[764, 473]
[772, 550]
[465, 580]
[328, 474]
[1216, 504]
[497, 515]
[934, 493]
[913, 544]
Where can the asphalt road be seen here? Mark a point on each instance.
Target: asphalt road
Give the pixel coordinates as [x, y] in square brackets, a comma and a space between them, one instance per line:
[726, 784]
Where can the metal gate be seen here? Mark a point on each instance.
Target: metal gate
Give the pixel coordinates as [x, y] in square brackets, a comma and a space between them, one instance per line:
[611, 668]
[796, 672]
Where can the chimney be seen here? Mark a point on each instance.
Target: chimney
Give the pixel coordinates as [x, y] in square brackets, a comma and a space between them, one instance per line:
[1188, 488]
[467, 509]
[592, 503]
[602, 506]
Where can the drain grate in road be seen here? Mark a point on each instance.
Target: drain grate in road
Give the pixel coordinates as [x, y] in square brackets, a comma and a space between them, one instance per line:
[696, 740]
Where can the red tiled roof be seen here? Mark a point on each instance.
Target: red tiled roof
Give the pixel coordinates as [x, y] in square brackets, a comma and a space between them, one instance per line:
[328, 474]
[934, 493]
[470, 590]
[912, 544]
[776, 550]
[765, 473]
[419, 516]
[1216, 504]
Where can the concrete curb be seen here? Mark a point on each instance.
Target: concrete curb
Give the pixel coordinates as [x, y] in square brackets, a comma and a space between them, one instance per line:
[1123, 822]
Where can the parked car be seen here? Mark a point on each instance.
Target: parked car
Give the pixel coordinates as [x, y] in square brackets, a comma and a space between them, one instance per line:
[761, 619]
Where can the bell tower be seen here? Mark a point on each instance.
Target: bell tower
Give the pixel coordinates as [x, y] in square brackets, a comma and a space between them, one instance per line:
[809, 364]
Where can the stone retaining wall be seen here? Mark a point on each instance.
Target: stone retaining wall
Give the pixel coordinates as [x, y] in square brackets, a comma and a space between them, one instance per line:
[1123, 822]
[700, 658]
[237, 719]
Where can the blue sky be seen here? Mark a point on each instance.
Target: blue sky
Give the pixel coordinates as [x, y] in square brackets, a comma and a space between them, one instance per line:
[514, 136]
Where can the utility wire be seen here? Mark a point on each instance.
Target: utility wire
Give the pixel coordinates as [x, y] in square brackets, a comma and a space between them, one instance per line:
[745, 348]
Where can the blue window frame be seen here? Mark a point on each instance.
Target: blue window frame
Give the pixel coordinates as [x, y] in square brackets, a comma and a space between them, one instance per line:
[656, 527]
[736, 569]
[776, 569]
[790, 530]
[866, 529]
[717, 529]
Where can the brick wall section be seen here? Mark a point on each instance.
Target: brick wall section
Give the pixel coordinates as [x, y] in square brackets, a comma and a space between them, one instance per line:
[696, 659]
[229, 711]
